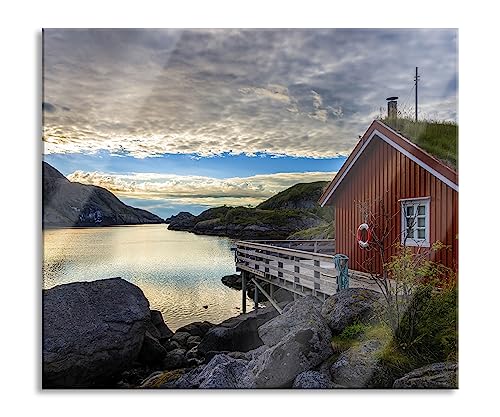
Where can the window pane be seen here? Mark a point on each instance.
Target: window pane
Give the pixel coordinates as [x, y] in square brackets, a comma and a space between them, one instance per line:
[409, 233]
[410, 222]
[421, 233]
[421, 222]
[409, 211]
[421, 210]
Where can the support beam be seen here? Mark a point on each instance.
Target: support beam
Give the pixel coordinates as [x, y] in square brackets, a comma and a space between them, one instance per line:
[244, 291]
[271, 300]
[256, 295]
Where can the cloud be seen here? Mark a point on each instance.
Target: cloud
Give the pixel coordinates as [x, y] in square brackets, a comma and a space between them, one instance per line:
[199, 190]
[281, 92]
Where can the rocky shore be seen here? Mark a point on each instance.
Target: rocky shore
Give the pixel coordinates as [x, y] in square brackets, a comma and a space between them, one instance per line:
[102, 334]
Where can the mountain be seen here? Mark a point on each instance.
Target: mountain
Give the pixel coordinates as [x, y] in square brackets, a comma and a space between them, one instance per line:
[67, 204]
[291, 211]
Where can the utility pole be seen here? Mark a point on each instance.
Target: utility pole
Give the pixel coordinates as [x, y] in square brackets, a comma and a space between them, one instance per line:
[417, 77]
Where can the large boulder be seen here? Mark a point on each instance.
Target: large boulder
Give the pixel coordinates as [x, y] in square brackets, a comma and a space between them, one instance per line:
[163, 330]
[91, 331]
[312, 380]
[297, 341]
[237, 333]
[221, 372]
[356, 366]
[436, 375]
[152, 352]
[175, 359]
[351, 306]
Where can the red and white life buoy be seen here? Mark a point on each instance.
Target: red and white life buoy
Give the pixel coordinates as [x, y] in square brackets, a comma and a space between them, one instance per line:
[364, 243]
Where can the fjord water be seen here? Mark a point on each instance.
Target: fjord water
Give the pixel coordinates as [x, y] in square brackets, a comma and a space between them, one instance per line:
[179, 272]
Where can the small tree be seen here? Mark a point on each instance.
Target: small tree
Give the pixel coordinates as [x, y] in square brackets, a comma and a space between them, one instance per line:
[402, 275]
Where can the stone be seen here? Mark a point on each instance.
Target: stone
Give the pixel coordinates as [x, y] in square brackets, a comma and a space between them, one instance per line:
[356, 366]
[197, 328]
[157, 320]
[152, 351]
[192, 341]
[436, 375]
[294, 315]
[221, 372]
[181, 338]
[312, 380]
[349, 306]
[282, 296]
[92, 331]
[171, 345]
[297, 341]
[175, 359]
[238, 333]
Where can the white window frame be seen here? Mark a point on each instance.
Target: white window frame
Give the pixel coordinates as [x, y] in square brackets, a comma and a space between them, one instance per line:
[415, 241]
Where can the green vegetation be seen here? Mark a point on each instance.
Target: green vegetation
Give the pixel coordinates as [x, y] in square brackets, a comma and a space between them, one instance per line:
[438, 138]
[248, 216]
[299, 196]
[323, 231]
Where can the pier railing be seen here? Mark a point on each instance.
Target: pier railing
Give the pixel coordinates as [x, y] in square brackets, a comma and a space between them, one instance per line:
[300, 266]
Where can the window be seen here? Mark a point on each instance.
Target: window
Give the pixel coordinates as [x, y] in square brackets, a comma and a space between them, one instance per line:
[415, 222]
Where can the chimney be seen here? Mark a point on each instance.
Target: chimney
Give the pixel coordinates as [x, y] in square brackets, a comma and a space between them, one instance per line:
[392, 107]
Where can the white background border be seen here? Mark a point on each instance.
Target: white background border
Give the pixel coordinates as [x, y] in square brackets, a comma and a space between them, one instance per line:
[21, 23]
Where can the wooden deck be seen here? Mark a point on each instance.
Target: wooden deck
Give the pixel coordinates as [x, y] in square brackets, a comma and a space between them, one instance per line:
[300, 266]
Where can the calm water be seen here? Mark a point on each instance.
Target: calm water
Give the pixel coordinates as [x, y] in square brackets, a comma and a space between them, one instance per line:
[179, 272]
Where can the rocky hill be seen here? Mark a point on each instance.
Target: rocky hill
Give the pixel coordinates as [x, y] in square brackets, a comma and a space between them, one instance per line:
[67, 204]
[292, 210]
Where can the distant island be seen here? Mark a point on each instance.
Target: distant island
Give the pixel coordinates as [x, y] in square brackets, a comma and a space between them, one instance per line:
[69, 204]
[293, 213]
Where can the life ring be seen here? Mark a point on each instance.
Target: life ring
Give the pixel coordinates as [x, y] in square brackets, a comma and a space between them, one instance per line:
[364, 243]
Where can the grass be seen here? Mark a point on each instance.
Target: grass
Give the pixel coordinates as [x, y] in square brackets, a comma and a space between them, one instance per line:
[323, 231]
[438, 138]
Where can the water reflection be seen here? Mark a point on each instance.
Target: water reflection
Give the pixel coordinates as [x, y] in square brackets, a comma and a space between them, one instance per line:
[179, 272]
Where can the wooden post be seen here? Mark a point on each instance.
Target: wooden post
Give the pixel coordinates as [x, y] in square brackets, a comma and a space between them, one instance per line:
[256, 296]
[271, 290]
[244, 291]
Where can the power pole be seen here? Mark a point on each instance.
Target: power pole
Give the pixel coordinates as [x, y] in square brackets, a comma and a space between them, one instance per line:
[417, 77]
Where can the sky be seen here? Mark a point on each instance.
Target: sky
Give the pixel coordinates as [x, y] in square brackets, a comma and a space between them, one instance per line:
[182, 120]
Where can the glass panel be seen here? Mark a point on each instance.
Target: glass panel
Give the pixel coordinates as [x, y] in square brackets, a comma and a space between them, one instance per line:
[421, 233]
[410, 222]
[421, 210]
[421, 222]
[409, 233]
[409, 211]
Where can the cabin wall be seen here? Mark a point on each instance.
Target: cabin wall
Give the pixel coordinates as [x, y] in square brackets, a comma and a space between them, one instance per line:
[382, 175]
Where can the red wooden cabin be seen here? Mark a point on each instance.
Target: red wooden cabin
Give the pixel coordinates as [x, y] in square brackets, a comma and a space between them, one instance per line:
[387, 173]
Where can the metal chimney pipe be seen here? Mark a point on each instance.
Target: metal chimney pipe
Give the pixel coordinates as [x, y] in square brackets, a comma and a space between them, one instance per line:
[392, 107]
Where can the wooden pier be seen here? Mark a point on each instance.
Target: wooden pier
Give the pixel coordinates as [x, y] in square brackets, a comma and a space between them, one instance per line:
[303, 267]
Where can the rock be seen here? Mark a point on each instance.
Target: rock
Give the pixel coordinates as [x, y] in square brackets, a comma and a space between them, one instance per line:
[312, 380]
[91, 331]
[293, 317]
[192, 353]
[283, 296]
[232, 281]
[152, 330]
[356, 366]
[181, 338]
[238, 333]
[175, 359]
[197, 328]
[171, 345]
[182, 221]
[350, 306]
[157, 320]
[193, 341]
[221, 372]
[152, 351]
[297, 341]
[436, 375]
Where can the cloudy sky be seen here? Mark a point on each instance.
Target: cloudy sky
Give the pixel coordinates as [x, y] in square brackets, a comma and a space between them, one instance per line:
[172, 120]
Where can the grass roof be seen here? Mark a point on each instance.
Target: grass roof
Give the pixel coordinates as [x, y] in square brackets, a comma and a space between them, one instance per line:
[438, 138]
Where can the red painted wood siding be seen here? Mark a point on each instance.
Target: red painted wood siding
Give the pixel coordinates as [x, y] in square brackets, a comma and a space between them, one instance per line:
[384, 175]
